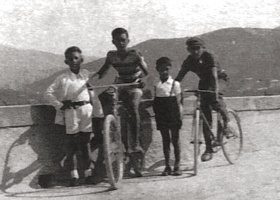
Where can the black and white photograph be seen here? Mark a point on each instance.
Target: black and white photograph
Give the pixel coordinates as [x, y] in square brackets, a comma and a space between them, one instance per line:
[132, 100]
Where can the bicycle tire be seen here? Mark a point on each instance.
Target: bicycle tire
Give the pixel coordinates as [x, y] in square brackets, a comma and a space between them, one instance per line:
[232, 143]
[195, 129]
[113, 151]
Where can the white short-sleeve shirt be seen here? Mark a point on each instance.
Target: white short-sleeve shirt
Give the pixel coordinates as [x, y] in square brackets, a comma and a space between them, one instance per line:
[162, 89]
[70, 86]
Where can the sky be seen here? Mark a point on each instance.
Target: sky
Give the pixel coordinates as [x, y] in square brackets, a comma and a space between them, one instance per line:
[54, 25]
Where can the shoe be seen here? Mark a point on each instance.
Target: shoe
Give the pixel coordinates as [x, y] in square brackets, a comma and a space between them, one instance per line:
[136, 159]
[93, 180]
[177, 171]
[206, 156]
[46, 180]
[229, 131]
[138, 173]
[216, 143]
[73, 182]
[166, 172]
[89, 180]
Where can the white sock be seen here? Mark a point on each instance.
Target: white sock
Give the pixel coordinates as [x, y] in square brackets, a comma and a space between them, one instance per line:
[88, 172]
[75, 174]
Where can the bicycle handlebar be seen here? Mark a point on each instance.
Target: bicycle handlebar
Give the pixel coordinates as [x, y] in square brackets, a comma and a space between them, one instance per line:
[114, 85]
[200, 91]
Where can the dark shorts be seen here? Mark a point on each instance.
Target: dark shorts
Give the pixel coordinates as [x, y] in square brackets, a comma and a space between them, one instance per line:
[167, 113]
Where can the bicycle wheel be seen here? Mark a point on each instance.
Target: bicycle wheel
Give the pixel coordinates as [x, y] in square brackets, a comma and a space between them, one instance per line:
[232, 143]
[113, 151]
[195, 131]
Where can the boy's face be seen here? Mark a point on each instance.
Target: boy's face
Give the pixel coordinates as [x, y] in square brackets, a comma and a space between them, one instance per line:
[74, 60]
[196, 51]
[121, 41]
[163, 71]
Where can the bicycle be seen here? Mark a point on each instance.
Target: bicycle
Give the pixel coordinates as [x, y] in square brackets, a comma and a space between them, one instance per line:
[231, 144]
[116, 131]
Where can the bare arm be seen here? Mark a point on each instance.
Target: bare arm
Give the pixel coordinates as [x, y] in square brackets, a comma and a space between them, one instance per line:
[104, 69]
[101, 73]
[143, 66]
[178, 93]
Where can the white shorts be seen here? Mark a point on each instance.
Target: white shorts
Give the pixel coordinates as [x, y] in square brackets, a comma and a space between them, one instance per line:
[79, 119]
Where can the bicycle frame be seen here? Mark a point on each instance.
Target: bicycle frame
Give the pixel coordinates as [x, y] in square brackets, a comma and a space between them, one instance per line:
[198, 118]
[198, 111]
[222, 140]
[113, 139]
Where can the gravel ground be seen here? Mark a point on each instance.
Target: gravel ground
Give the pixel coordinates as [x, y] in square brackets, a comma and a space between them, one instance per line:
[255, 176]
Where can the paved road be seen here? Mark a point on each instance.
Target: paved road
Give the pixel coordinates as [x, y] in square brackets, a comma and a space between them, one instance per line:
[255, 176]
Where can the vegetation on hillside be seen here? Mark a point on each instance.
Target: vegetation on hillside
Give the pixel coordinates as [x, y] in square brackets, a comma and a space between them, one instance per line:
[249, 56]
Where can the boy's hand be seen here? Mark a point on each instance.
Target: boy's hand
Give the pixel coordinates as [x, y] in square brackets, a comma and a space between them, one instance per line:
[66, 105]
[181, 109]
[141, 83]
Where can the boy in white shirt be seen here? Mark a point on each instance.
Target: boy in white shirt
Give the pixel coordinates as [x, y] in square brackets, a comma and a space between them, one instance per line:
[69, 95]
[168, 108]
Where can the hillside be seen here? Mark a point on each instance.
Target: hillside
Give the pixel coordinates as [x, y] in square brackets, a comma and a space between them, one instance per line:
[22, 68]
[26, 66]
[250, 57]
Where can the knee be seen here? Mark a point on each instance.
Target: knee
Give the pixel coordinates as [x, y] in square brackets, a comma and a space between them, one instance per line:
[137, 95]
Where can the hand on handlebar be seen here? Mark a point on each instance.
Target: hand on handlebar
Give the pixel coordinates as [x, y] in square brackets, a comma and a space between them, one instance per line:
[140, 82]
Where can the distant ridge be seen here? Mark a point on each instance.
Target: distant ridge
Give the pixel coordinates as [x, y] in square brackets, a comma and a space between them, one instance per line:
[20, 68]
[24, 67]
[250, 56]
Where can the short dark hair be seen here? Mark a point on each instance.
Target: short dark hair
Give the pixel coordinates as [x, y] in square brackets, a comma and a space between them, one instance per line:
[163, 61]
[72, 49]
[119, 31]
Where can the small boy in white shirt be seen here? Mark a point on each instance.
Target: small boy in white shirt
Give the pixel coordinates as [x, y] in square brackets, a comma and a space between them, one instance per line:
[167, 107]
[69, 95]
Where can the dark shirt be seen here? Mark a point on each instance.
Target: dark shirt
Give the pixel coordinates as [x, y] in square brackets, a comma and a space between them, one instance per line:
[202, 67]
[126, 67]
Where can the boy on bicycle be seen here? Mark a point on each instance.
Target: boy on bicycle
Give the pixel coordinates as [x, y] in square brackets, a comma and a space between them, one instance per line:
[130, 65]
[203, 64]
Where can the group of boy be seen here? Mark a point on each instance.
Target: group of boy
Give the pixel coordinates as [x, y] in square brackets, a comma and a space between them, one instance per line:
[70, 95]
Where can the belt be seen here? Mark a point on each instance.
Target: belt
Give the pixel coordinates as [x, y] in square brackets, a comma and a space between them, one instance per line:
[79, 103]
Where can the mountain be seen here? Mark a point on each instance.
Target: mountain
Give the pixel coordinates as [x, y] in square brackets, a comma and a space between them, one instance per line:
[20, 68]
[250, 57]
[90, 58]
[23, 67]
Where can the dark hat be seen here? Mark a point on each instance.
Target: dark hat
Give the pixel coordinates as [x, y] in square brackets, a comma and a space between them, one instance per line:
[194, 42]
